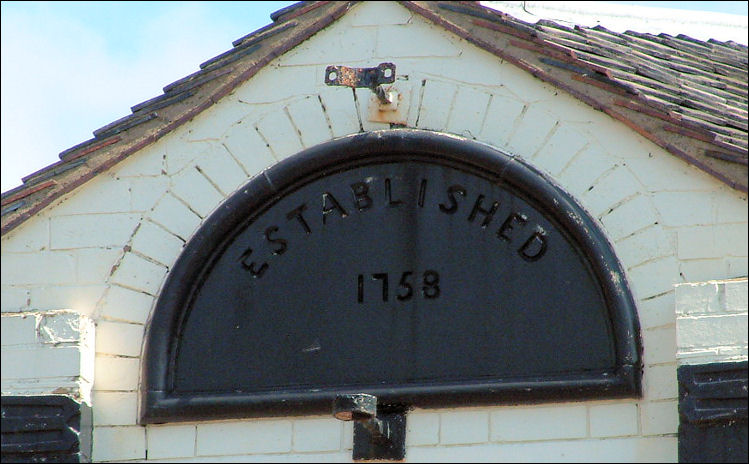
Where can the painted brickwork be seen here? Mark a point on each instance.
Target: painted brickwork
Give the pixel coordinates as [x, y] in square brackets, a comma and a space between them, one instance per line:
[104, 250]
[711, 322]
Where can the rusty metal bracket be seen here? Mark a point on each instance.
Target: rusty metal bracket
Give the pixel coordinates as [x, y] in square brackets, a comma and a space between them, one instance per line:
[371, 78]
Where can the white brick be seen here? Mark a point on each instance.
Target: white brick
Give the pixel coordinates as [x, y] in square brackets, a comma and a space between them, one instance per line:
[659, 345]
[711, 331]
[119, 338]
[655, 277]
[317, 434]
[730, 208]
[262, 436]
[181, 153]
[436, 104]
[148, 162]
[379, 13]
[532, 131]
[737, 266]
[119, 443]
[713, 241]
[115, 408]
[736, 295]
[81, 298]
[222, 170]
[41, 362]
[464, 427]
[156, 243]
[469, 109]
[587, 166]
[698, 298]
[539, 423]
[140, 274]
[657, 312]
[614, 420]
[347, 441]
[665, 172]
[243, 141]
[659, 382]
[91, 230]
[63, 327]
[309, 118]
[613, 187]
[501, 117]
[126, 305]
[364, 98]
[95, 264]
[35, 238]
[660, 418]
[18, 330]
[195, 190]
[697, 270]
[119, 374]
[53, 268]
[678, 209]
[560, 149]
[411, 41]
[651, 449]
[175, 217]
[422, 429]
[170, 441]
[330, 45]
[340, 111]
[14, 299]
[629, 217]
[650, 243]
[281, 135]
[103, 195]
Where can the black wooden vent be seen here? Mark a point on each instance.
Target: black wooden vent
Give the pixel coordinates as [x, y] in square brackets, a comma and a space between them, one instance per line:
[51, 428]
[713, 412]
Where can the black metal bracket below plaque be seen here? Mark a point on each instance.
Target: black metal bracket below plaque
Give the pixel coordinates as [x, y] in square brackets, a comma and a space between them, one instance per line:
[369, 446]
[379, 432]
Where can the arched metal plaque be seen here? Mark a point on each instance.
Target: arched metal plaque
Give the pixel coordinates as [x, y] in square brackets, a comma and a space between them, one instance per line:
[419, 267]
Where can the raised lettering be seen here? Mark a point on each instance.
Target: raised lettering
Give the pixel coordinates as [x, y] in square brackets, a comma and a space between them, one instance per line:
[422, 192]
[282, 244]
[389, 195]
[254, 271]
[451, 191]
[297, 213]
[488, 213]
[362, 200]
[535, 247]
[336, 206]
[509, 224]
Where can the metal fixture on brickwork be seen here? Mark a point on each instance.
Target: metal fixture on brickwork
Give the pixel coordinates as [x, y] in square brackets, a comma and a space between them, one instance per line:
[371, 78]
[377, 435]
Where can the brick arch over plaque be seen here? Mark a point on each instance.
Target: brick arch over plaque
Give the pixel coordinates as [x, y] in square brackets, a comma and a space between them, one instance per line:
[423, 268]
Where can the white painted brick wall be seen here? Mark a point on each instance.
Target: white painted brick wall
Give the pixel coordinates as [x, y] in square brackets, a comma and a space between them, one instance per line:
[614, 420]
[711, 321]
[463, 427]
[170, 441]
[317, 434]
[261, 436]
[45, 352]
[118, 443]
[539, 423]
[668, 221]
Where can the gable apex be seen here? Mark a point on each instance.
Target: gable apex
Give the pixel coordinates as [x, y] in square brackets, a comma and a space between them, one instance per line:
[684, 95]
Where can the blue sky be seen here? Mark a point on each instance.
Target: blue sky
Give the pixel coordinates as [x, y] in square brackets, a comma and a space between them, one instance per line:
[69, 68]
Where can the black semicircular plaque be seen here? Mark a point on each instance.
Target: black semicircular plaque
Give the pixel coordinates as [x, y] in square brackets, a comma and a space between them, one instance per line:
[419, 267]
